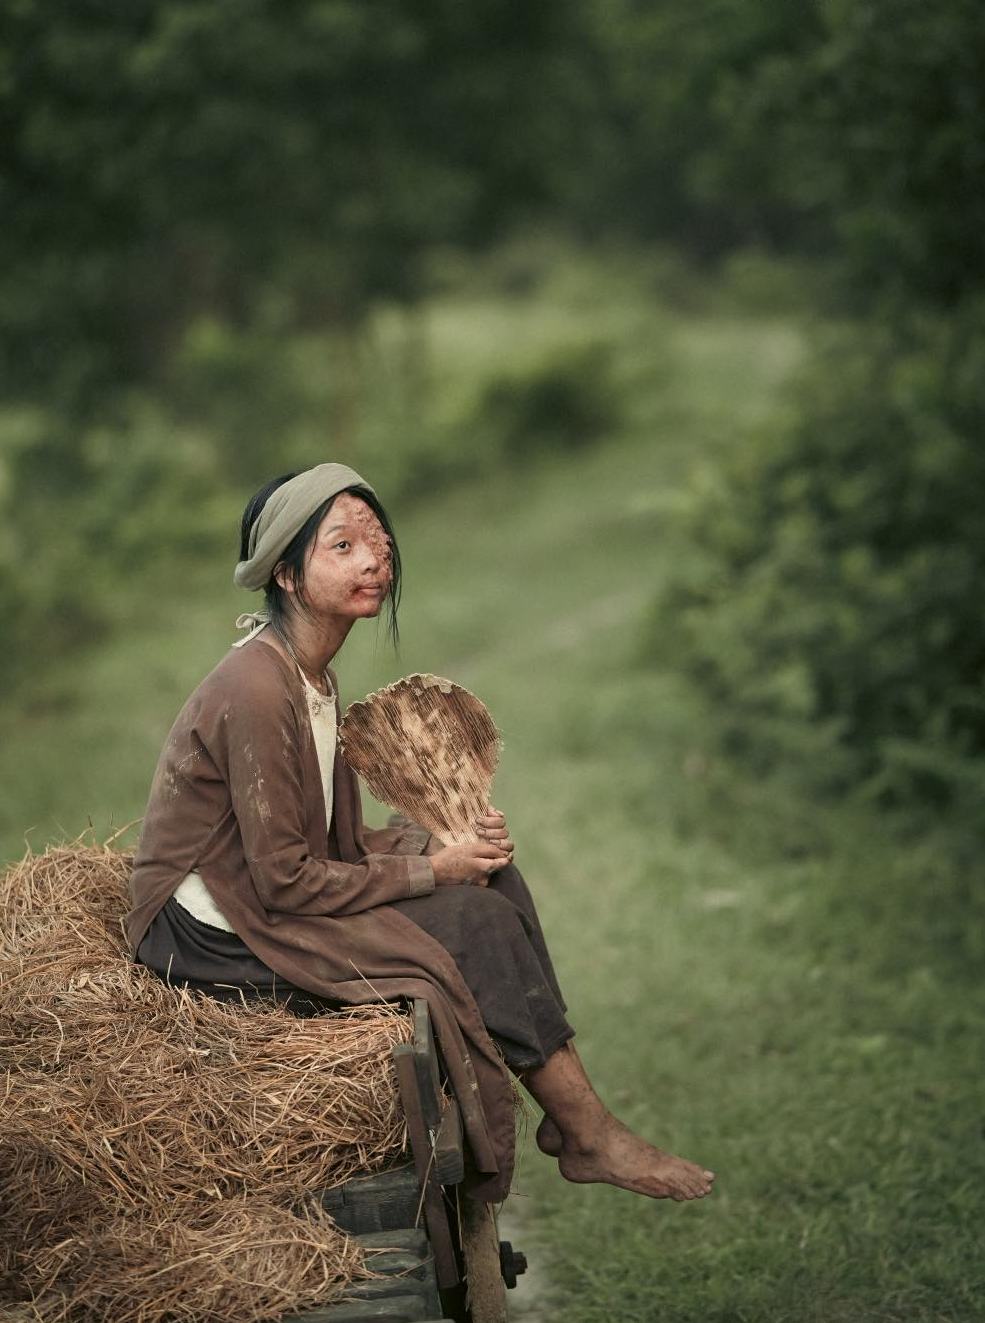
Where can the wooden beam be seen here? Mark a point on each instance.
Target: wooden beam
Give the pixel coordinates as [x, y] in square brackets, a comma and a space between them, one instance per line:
[435, 1214]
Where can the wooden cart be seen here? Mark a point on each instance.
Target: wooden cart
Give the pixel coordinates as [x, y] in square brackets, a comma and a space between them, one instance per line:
[438, 1251]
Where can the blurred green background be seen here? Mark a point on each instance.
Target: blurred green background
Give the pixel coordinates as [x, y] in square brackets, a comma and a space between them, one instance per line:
[659, 328]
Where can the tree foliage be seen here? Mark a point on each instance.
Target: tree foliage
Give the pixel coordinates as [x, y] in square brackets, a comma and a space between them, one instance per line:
[687, 119]
[840, 560]
[166, 158]
[201, 199]
[841, 565]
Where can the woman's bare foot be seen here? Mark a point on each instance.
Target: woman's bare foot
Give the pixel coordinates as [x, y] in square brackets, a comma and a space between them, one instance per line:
[591, 1145]
[618, 1157]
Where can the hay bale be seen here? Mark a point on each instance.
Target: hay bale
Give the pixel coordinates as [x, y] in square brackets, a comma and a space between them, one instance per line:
[153, 1138]
[237, 1261]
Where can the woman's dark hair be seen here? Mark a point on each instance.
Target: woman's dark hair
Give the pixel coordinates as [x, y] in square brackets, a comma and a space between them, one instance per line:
[296, 550]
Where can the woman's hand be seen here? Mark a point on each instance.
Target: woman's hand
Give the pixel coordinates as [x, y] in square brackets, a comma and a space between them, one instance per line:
[493, 828]
[470, 864]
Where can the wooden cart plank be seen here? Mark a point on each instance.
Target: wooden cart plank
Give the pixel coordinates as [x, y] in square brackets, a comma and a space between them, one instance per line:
[384, 1202]
[398, 1309]
[449, 1149]
[435, 1214]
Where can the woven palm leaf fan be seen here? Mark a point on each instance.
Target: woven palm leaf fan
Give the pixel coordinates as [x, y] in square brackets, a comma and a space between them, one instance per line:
[428, 748]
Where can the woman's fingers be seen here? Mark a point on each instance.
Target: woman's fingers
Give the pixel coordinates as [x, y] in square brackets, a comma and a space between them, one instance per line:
[470, 863]
[485, 855]
[492, 827]
[486, 859]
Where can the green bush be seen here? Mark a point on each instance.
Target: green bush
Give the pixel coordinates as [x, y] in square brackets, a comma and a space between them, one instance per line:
[93, 521]
[561, 402]
[833, 589]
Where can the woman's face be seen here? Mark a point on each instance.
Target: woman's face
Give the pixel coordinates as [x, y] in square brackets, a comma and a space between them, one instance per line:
[348, 568]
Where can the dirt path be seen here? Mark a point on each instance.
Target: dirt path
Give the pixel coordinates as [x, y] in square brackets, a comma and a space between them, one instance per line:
[528, 1301]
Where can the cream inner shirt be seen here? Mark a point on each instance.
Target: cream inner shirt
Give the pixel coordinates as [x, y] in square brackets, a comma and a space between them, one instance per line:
[192, 893]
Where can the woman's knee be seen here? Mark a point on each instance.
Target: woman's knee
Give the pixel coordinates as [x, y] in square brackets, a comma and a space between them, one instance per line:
[509, 883]
[480, 908]
[488, 900]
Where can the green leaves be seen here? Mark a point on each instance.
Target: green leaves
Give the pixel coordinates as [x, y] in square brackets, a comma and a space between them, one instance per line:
[842, 563]
[167, 159]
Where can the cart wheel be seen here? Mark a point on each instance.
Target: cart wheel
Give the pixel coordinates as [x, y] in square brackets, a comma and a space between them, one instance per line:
[485, 1288]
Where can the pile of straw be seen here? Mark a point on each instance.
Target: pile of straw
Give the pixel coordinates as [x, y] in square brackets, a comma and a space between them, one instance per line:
[157, 1146]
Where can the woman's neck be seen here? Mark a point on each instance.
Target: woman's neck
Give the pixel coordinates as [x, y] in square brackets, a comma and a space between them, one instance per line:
[311, 643]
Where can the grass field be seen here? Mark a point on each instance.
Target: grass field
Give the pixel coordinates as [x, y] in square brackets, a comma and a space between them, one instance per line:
[774, 987]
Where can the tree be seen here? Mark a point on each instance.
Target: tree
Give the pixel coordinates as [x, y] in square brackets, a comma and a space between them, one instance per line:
[165, 157]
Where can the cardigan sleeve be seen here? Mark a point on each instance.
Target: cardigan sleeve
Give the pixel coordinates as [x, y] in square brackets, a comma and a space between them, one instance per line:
[400, 836]
[262, 738]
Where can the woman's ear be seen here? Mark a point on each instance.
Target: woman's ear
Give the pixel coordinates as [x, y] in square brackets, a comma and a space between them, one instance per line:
[283, 578]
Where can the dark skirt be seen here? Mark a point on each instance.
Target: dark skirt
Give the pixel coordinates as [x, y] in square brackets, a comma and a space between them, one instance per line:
[492, 933]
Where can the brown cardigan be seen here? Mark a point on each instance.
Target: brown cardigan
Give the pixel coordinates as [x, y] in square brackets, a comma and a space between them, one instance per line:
[237, 796]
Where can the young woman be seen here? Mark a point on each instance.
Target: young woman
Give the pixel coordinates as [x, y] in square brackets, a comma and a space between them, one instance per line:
[256, 876]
